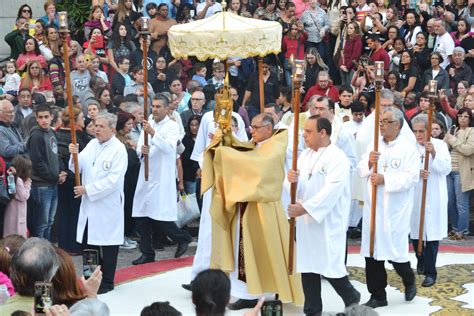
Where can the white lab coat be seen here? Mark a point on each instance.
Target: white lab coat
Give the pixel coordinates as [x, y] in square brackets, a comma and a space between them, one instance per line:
[325, 195]
[394, 199]
[202, 258]
[157, 197]
[102, 168]
[436, 209]
[365, 136]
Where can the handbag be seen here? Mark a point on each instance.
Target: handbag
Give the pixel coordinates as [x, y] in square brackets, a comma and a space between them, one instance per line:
[188, 209]
[4, 196]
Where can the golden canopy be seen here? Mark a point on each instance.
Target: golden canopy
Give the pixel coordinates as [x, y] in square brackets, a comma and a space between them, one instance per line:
[225, 35]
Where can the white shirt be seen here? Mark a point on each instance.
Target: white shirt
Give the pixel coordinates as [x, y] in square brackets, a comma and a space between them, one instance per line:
[444, 45]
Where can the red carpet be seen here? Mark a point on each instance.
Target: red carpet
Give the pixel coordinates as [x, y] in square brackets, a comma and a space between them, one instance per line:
[145, 270]
[141, 271]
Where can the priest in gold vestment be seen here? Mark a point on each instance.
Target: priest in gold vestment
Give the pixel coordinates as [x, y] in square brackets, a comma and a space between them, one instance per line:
[246, 178]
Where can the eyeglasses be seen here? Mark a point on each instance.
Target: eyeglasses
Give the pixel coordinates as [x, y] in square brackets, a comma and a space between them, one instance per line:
[384, 122]
[26, 10]
[196, 99]
[255, 127]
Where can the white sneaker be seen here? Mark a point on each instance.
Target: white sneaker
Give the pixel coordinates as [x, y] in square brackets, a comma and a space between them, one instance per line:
[127, 245]
[130, 241]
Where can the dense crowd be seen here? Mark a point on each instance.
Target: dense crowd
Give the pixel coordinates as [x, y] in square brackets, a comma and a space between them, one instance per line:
[340, 42]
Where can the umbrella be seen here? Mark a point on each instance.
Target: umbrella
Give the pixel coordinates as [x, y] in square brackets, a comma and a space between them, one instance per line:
[226, 35]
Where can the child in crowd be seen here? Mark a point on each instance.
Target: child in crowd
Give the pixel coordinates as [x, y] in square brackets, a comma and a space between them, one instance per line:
[10, 81]
[15, 213]
[200, 71]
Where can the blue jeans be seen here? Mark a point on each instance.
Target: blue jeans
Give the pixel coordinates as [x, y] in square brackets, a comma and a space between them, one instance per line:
[190, 187]
[287, 67]
[458, 204]
[44, 204]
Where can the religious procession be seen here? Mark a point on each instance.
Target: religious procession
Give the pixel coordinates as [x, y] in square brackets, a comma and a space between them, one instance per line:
[250, 157]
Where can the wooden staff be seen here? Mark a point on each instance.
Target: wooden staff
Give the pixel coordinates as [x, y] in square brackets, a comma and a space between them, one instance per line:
[432, 89]
[298, 78]
[378, 90]
[63, 29]
[260, 84]
[144, 22]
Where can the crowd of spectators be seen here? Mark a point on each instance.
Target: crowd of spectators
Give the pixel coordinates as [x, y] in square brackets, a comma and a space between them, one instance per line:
[340, 40]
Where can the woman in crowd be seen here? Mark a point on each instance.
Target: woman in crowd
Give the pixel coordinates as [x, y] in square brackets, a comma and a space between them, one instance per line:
[40, 33]
[462, 32]
[183, 96]
[314, 64]
[35, 80]
[421, 52]
[26, 12]
[352, 50]
[127, 17]
[467, 102]
[158, 76]
[411, 28]
[31, 52]
[461, 89]
[68, 206]
[435, 72]
[393, 33]
[65, 285]
[268, 11]
[287, 16]
[409, 73]
[96, 45]
[183, 15]
[234, 7]
[124, 127]
[191, 171]
[395, 53]
[97, 20]
[247, 7]
[393, 82]
[120, 45]
[460, 139]
[392, 17]
[53, 44]
[104, 97]
[293, 45]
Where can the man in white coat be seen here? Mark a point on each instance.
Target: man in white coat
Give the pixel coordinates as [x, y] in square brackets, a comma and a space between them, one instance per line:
[207, 128]
[436, 208]
[102, 164]
[322, 212]
[155, 200]
[397, 175]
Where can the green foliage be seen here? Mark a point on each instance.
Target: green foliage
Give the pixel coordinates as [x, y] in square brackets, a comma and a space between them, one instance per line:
[77, 12]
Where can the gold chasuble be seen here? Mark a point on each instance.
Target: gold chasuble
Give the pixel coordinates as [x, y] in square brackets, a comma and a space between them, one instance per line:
[243, 173]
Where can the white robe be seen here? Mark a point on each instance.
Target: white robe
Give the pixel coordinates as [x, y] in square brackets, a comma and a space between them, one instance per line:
[365, 136]
[394, 199]
[325, 195]
[156, 198]
[202, 258]
[356, 209]
[436, 209]
[102, 168]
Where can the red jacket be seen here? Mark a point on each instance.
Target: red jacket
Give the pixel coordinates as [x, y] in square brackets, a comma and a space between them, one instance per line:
[330, 91]
[352, 51]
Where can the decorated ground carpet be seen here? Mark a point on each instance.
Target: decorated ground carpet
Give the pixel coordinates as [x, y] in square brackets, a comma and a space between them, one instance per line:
[453, 294]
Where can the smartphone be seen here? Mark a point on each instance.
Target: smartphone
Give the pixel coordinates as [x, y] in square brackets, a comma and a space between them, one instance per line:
[90, 261]
[272, 308]
[43, 297]
[99, 41]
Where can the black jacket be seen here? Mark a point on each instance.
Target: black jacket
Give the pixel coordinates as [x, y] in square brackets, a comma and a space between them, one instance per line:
[42, 146]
